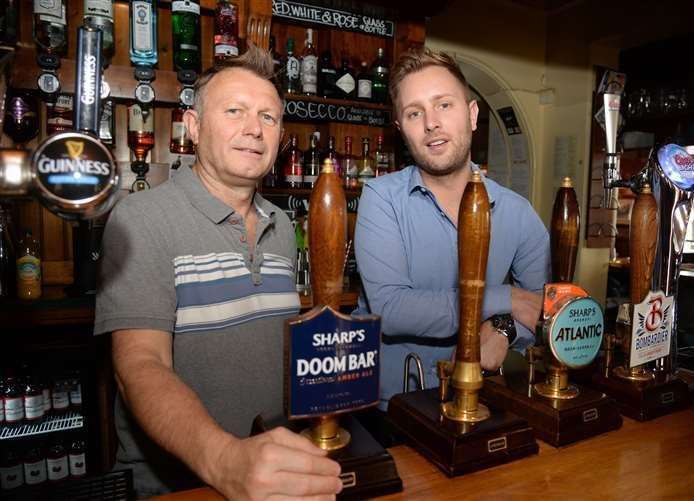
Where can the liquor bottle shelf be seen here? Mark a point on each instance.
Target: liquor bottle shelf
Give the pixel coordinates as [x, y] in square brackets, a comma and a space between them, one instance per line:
[69, 421]
[305, 192]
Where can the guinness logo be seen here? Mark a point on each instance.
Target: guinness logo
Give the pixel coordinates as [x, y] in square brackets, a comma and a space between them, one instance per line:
[74, 149]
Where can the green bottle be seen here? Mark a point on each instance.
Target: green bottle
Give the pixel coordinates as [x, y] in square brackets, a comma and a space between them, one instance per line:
[185, 23]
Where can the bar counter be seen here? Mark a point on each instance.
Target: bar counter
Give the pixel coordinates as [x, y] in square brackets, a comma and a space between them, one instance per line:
[654, 459]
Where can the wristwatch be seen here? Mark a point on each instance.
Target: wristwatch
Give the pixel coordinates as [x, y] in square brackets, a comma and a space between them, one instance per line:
[505, 325]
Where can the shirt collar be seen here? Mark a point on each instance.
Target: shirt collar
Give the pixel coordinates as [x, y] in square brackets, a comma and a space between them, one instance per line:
[417, 183]
[212, 207]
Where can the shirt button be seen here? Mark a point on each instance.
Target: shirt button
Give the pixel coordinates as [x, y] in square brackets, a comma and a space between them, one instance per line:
[242, 238]
[234, 221]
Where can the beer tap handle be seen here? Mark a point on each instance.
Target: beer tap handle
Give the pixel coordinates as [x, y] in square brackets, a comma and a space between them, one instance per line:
[565, 225]
[643, 237]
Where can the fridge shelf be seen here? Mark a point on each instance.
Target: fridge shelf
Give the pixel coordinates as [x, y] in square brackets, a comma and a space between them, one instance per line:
[69, 421]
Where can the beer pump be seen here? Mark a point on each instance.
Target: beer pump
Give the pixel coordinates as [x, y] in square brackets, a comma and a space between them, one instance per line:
[461, 434]
[72, 173]
[637, 369]
[568, 336]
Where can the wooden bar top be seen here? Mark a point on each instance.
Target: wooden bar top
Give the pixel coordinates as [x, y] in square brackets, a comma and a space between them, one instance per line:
[654, 459]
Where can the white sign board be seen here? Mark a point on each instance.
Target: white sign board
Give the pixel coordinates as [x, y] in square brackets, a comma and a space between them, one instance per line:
[651, 328]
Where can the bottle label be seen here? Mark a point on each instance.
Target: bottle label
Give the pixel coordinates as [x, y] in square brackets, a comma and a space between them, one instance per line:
[292, 68]
[364, 91]
[60, 399]
[102, 8]
[226, 50]
[310, 179]
[185, 6]
[78, 464]
[178, 131]
[46, 400]
[58, 468]
[346, 83]
[137, 122]
[33, 406]
[14, 409]
[11, 477]
[293, 178]
[142, 26]
[76, 394]
[29, 269]
[309, 74]
[58, 20]
[35, 473]
[51, 8]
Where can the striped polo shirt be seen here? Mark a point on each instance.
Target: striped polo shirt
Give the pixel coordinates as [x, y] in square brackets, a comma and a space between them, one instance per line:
[177, 259]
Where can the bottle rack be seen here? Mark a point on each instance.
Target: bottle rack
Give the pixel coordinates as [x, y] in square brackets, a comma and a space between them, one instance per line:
[68, 421]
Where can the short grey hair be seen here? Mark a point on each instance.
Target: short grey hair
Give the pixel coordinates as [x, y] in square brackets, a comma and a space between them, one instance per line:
[256, 60]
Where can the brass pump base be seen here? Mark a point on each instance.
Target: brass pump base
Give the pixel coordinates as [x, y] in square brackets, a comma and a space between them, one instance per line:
[637, 374]
[550, 391]
[451, 411]
[326, 434]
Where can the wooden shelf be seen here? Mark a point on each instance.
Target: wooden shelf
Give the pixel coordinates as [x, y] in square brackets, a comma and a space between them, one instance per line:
[304, 192]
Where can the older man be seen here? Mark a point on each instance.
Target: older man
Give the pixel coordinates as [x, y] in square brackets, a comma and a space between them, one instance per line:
[197, 279]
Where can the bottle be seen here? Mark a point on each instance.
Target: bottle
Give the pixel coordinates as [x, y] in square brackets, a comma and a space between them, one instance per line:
[57, 462]
[60, 396]
[185, 30]
[75, 393]
[345, 83]
[11, 468]
[59, 115]
[9, 23]
[364, 83]
[309, 66]
[8, 285]
[292, 83]
[33, 399]
[226, 31]
[107, 123]
[379, 73]
[50, 26]
[276, 58]
[13, 398]
[143, 32]
[327, 74]
[312, 162]
[181, 142]
[140, 131]
[334, 157]
[21, 121]
[99, 14]
[28, 267]
[382, 158]
[47, 397]
[77, 458]
[34, 466]
[366, 163]
[292, 168]
[349, 166]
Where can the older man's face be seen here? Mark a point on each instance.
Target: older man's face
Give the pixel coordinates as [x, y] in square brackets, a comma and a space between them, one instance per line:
[238, 131]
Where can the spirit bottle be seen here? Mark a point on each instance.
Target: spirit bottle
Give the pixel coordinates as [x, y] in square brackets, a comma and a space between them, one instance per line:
[349, 166]
[140, 132]
[312, 162]
[366, 163]
[21, 122]
[345, 83]
[332, 154]
[364, 83]
[309, 66]
[180, 141]
[276, 58]
[379, 73]
[107, 124]
[143, 32]
[99, 14]
[226, 31]
[382, 158]
[59, 115]
[185, 27]
[292, 167]
[292, 84]
[327, 74]
[50, 26]
[9, 22]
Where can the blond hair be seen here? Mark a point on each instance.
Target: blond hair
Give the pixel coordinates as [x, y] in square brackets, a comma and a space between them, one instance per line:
[418, 58]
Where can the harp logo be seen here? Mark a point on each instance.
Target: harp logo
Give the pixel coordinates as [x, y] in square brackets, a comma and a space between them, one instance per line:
[74, 148]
